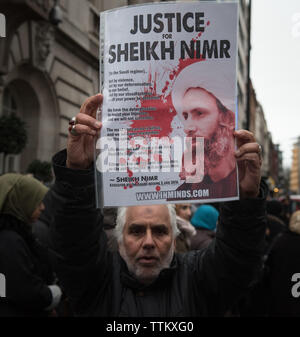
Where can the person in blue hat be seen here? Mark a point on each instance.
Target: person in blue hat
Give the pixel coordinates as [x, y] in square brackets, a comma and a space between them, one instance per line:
[205, 221]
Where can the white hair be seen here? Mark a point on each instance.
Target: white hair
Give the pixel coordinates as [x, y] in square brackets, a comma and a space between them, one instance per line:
[121, 219]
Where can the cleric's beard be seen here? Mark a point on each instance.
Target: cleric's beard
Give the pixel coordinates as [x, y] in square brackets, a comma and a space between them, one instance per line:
[217, 147]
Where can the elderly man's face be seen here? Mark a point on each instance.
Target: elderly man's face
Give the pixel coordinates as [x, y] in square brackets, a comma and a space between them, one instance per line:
[200, 114]
[148, 242]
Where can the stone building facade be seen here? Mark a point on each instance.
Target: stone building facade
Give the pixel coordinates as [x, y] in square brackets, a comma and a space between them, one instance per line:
[272, 161]
[46, 71]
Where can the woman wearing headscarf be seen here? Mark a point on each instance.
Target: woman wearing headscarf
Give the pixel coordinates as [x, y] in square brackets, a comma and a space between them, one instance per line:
[30, 289]
[205, 221]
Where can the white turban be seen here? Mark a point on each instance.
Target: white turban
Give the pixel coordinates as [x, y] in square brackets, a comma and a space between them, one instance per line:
[211, 75]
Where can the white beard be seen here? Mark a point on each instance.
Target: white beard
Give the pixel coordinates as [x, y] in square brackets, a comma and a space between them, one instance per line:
[146, 275]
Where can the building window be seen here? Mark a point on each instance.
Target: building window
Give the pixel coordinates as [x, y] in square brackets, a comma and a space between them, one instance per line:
[242, 6]
[95, 23]
[93, 2]
[241, 33]
[9, 106]
[240, 95]
[10, 164]
[9, 102]
[241, 66]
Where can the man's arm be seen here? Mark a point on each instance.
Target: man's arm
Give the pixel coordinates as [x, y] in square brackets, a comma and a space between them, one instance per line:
[231, 263]
[84, 265]
[77, 236]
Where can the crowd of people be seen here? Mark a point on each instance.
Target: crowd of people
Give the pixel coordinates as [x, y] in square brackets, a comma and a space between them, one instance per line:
[61, 256]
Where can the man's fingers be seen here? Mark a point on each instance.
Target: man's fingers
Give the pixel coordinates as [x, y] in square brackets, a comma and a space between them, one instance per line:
[248, 148]
[91, 105]
[250, 157]
[82, 130]
[86, 123]
[243, 137]
[83, 119]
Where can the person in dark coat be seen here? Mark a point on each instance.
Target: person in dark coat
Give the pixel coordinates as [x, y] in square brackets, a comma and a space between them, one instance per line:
[145, 278]
[275, 224]
[30, 288]
[205, 221]
[277, 291]
[283, 282]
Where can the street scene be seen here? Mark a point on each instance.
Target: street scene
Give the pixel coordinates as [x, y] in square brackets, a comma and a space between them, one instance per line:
[149, 161]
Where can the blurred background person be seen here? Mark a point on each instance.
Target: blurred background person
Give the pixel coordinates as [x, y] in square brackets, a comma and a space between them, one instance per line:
[109, 224]
[275, 224]
[205, 221]
[187, 231]
[30, 288]
[286, 209]
[184, 211]
[283, 263]
[273, 294]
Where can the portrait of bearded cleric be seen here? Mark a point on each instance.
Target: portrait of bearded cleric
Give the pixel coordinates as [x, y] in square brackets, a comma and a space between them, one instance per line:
[203, 114]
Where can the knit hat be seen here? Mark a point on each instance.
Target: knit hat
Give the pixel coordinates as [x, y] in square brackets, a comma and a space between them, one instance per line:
[20, 195]
[294, 224]
[206, 216]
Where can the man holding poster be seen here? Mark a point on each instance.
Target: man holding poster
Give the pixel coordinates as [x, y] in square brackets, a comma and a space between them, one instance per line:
[146, 278]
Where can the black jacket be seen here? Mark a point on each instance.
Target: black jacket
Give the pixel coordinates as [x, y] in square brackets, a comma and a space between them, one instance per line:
[198, 283]
[273, 294]
[283, 262]
[27, 271]
[202, 238]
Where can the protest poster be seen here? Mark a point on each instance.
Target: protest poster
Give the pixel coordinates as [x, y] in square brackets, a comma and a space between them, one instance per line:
[168, 77]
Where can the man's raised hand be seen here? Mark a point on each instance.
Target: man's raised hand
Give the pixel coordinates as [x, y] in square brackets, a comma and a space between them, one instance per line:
[248, 156]
[80, 145]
